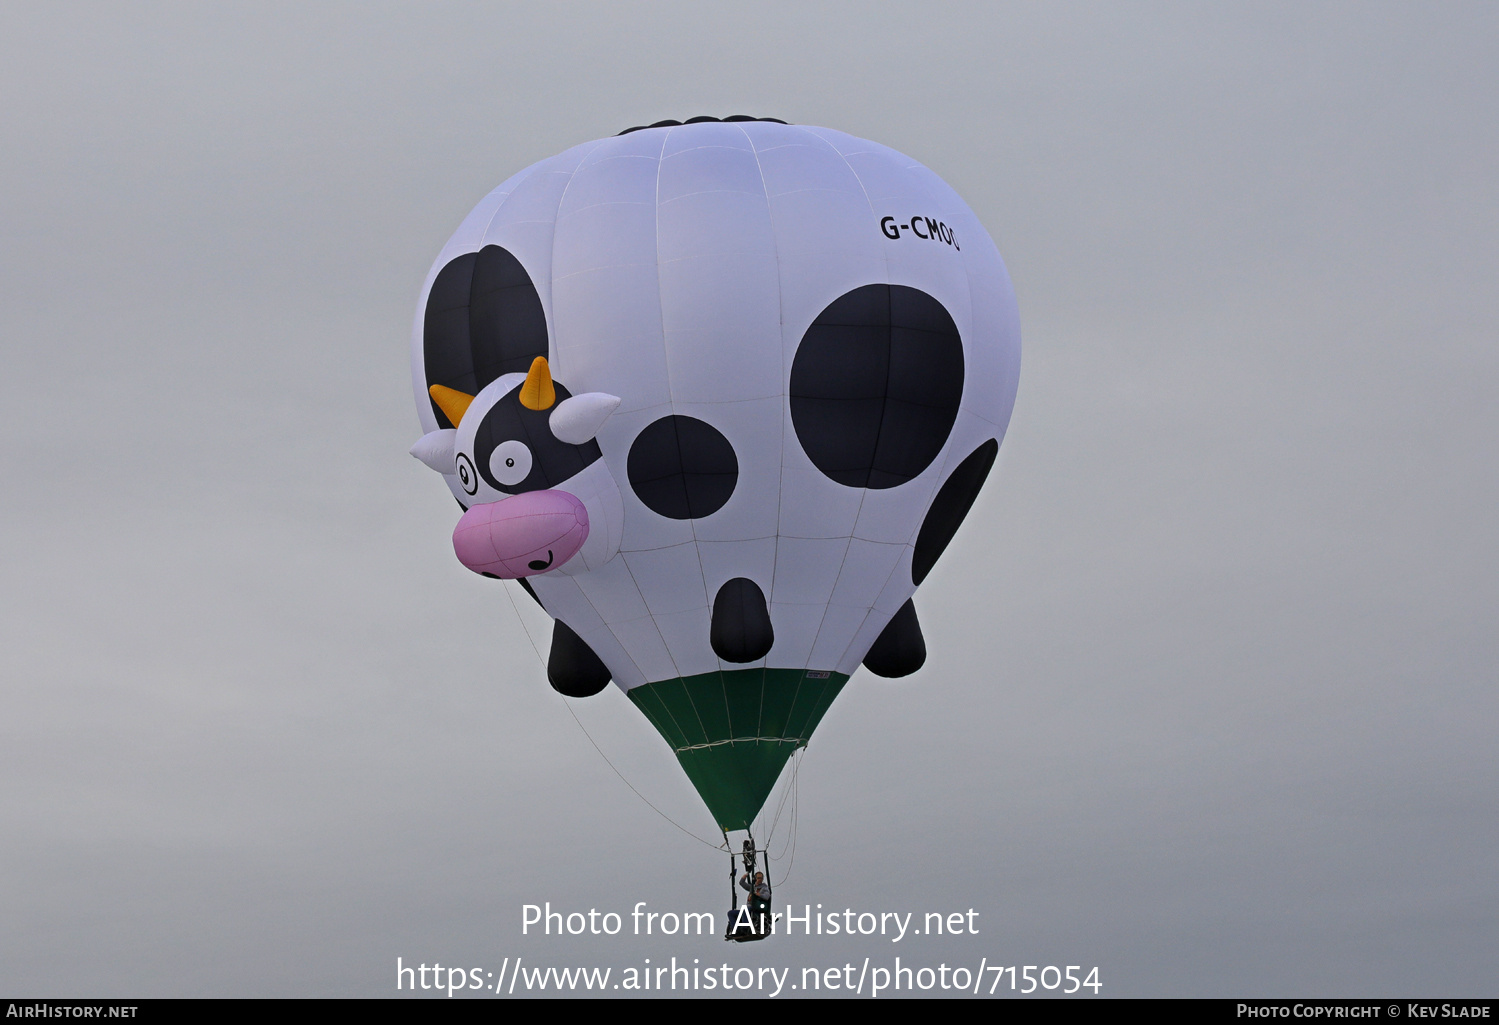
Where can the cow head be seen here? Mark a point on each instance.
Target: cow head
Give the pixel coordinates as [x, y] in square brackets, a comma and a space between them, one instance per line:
[540, 498]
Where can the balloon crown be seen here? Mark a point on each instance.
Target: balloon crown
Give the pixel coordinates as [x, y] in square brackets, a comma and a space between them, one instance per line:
[700, 120]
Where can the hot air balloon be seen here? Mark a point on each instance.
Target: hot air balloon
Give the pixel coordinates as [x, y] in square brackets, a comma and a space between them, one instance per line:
[718, 393]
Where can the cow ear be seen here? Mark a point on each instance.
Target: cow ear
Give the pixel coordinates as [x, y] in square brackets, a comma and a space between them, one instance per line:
[436, 450]
[579, 418]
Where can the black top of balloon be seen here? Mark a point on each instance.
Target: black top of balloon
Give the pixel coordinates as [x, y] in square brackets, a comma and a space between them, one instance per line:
[700, 120]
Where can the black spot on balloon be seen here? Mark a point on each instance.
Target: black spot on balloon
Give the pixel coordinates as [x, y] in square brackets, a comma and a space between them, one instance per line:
[682, 468]
[572, 667]
[954, 499]
[900, 649]
[483, 319]
[700, 120]
[875, 385]
[740, 630]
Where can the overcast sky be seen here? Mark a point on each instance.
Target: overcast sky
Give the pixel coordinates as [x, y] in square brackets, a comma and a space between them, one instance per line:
[1211, 699]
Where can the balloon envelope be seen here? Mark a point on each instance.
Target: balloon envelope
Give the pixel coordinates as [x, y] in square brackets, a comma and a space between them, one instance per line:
[814, 346]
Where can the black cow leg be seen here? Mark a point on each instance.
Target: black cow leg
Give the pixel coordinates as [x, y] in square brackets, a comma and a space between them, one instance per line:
[740, 630]
[900, 649]
[572, 667]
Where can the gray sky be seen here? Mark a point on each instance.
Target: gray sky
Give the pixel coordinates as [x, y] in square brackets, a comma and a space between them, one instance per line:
[1211, 699]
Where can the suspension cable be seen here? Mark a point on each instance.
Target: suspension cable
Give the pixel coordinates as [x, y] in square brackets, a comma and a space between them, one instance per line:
[568, 705]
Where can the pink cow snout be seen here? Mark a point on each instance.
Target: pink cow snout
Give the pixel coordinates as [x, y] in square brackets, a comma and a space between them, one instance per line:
[523, 535]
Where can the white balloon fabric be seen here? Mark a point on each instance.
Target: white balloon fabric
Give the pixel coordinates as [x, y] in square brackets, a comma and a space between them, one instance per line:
[814, 347]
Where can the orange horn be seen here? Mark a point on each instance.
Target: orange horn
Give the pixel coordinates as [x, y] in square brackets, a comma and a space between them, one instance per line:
[453, 403]
[537, 392]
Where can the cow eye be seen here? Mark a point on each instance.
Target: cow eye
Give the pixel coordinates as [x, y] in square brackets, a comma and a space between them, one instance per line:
[510, 463]
[466, 475]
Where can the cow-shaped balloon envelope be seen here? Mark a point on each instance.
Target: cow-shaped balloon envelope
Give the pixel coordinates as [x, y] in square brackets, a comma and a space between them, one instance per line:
[719, 394]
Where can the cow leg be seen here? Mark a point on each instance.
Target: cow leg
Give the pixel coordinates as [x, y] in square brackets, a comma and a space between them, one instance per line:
[572, 667]
[900, 649]
[740, 630]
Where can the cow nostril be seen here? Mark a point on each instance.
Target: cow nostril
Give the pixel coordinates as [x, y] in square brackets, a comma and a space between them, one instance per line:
[538, 565]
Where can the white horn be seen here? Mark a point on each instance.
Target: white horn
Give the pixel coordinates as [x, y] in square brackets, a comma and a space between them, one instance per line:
[436, 450]
[579, 418]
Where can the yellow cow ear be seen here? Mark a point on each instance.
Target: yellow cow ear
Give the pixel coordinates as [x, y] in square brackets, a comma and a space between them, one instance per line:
[452, 402]
[537, 392]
